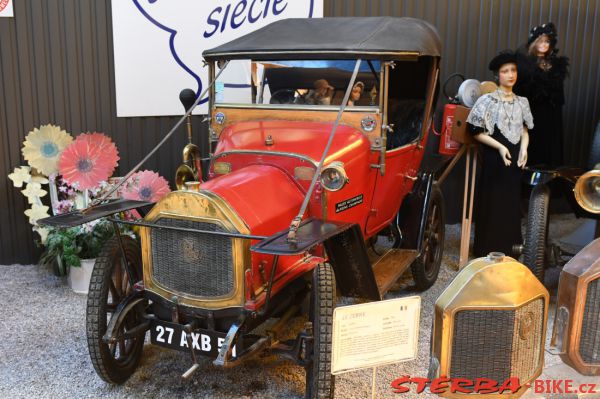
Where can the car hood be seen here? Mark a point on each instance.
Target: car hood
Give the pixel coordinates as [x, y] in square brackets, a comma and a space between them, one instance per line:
[303, 138]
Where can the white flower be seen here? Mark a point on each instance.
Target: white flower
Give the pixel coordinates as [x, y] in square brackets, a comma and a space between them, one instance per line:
[33, 192]
[39, 179]
[36, 213]
[20, 175]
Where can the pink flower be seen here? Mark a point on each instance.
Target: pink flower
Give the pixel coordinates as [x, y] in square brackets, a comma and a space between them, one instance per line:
[146, 186]
[64, 206]
[91, 158]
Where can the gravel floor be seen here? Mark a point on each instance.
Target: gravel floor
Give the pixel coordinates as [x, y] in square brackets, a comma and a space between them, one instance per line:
[43, 350]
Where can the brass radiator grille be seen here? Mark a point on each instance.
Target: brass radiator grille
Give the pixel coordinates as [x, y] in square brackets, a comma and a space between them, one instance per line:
[589, 345]
[481, 339]
[192, 263]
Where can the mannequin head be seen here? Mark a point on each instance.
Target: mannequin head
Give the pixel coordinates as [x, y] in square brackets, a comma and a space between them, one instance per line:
[323, 92]
[356, 93]
[504, 66]
[542, 40]
[507, 76]
[541, 46]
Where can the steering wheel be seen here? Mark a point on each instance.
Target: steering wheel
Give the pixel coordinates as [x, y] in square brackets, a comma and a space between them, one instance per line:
[283, 96]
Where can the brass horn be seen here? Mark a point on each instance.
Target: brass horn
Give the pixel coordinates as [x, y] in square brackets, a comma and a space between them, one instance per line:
[190, 169]
[587, 190]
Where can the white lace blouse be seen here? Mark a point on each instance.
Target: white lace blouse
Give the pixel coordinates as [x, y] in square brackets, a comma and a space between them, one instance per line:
[509, 116]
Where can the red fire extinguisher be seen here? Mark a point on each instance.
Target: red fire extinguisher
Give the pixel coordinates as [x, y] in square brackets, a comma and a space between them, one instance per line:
[449, 146]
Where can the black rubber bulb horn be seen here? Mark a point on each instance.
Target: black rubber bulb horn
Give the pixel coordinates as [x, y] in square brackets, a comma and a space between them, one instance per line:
[187, 98]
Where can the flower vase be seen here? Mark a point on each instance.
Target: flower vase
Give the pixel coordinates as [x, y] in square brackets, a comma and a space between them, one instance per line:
[79, 277]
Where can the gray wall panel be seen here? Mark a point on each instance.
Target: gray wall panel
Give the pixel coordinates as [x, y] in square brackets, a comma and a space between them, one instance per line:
[472, 31]
[56, 66]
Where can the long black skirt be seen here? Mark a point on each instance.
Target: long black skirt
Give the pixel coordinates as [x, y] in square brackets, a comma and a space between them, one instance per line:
[497, 211]
[546, 138]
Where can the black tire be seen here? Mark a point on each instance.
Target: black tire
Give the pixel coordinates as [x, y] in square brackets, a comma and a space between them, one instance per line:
[426, 267]
[319, 380]
[109, 284]
[536, 232]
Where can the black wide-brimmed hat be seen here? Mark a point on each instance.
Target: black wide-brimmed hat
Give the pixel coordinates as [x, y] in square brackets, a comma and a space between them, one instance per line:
[504, 57]
[547, 29]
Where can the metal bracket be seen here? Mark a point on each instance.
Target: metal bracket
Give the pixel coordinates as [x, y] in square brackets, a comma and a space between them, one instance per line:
[382, 155]
[129, 303]
[189, 328]
[297, 349]
[124, 262]
[225, 353]
[561, 325]
[265, 308]
[292, 234]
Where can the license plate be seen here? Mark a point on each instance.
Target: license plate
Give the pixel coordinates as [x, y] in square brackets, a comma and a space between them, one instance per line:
[171, 335]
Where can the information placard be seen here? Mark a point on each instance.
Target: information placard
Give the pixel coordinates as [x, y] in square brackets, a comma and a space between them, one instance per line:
[375, 333]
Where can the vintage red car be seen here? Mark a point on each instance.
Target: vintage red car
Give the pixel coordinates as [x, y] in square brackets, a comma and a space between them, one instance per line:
[314, 189]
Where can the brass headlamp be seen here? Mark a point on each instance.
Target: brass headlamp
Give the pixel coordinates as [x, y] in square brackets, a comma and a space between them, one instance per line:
[587, 190]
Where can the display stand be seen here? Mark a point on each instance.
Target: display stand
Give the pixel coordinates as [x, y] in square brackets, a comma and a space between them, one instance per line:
[373, 381]
[470, 149]
[467, 213]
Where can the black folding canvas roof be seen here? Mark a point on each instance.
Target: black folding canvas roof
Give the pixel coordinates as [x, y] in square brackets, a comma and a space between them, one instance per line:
[333, 38]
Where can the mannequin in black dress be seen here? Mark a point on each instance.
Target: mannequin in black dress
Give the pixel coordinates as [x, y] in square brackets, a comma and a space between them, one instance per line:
[499, 121]
[542, 73]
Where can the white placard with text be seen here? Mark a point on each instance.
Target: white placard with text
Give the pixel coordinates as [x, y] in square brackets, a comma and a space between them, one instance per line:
[6, 8]
[376, 333]
[158, 46]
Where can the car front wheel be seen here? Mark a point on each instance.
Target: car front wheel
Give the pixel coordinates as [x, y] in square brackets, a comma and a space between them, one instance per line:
[114, 362]
[319, 380]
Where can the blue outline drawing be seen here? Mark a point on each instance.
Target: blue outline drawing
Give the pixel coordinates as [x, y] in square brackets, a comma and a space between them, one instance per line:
[173, 33]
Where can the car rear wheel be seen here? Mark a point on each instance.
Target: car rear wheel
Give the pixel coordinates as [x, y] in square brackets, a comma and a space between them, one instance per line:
[536, 232]
[319, 380]
[109, 285]
[426, 267]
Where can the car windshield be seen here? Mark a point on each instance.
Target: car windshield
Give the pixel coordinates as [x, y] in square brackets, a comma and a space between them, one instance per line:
[298, 83]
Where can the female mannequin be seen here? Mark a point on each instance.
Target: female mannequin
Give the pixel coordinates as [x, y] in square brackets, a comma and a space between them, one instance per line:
[499, 121]
[357, 91]
[542, 75]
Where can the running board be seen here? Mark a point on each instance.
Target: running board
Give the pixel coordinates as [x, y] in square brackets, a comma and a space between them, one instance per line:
[391, 266]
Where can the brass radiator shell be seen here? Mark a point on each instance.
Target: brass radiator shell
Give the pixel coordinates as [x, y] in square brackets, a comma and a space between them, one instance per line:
[577, 334]
[200, 208]
[491, 290]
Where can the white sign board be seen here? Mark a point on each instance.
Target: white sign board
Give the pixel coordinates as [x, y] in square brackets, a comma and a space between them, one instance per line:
[375, 333]
[6, 8]
[158, 46]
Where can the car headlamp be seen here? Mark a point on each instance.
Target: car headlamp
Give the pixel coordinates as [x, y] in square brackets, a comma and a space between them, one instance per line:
[333, 177]
[587, 191]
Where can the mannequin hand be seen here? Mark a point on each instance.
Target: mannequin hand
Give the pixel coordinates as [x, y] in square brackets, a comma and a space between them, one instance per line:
[505, 155]
[522, 158]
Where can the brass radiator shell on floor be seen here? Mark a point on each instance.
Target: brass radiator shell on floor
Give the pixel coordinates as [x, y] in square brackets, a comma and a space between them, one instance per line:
[576, 332]
[490, 322]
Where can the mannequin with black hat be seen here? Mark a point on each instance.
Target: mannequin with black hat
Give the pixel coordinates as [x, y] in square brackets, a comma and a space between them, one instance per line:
[542, 74]
[500, 121]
